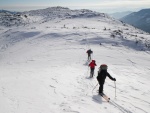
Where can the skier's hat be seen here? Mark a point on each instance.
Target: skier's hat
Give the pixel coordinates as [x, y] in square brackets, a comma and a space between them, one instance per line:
[103, 67]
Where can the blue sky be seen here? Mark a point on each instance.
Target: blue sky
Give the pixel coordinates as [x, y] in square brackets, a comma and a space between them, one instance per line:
[107, 6]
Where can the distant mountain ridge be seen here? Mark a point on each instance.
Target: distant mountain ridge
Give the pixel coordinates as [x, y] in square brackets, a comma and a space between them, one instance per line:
[5, 11]
[140, 19]
[119, 15]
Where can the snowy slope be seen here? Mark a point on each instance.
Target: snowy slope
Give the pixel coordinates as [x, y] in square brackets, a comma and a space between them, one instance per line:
[44, 66]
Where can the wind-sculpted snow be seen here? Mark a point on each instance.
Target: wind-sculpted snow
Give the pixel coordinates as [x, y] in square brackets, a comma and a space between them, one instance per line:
[11, 38]
[44, 66]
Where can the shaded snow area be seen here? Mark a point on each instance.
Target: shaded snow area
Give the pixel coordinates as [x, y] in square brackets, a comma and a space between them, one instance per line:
[44, 67]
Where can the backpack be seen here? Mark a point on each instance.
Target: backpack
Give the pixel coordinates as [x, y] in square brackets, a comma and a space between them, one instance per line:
[102, 72]
[103, 67]
[89, 51]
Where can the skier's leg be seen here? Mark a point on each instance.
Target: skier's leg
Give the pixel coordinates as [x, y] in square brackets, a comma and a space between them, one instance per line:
[101, 87]
[88, 57]
[92, 72]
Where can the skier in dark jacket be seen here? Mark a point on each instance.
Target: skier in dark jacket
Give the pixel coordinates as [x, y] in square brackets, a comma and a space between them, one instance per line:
[89, 52]
[102, 74]
[92, 66]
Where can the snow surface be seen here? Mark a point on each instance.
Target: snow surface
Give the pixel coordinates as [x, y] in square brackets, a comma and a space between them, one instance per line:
[44, 67]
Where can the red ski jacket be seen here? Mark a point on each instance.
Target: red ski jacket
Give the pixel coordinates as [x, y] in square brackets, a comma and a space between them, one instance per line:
[92, 64]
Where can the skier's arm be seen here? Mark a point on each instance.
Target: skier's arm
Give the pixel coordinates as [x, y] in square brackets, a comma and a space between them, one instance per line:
[111, 77]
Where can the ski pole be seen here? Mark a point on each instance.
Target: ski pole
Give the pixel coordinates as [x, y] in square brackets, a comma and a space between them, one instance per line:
[88, 70]
[94, 87]
[115, 89]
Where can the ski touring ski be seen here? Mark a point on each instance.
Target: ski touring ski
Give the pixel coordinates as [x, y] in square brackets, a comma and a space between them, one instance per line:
[105, 97]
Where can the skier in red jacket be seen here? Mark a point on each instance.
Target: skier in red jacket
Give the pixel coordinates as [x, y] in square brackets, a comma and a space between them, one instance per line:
[92, 66]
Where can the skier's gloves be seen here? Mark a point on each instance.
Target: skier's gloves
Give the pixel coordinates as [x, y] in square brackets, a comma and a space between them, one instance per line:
[114, 79]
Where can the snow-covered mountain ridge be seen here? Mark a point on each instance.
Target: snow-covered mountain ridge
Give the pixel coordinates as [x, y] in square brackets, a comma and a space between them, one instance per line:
[140, 19]
[61, 12]
[47, 14]
[58, 14]
[44, 67]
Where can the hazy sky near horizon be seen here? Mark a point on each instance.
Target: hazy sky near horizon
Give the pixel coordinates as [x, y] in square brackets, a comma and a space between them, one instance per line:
[108, 6]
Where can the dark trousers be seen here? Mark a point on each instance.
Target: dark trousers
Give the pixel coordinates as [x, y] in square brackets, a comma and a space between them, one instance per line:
[101, 83]
[92, 72]
[89, 57]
